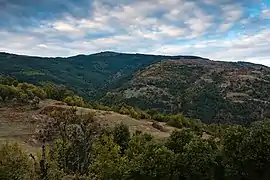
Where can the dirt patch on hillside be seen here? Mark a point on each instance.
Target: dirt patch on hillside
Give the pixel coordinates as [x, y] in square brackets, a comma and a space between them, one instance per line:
[19, 124]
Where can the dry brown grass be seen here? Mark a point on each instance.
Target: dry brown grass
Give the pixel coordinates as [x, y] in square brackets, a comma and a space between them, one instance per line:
[20, 125]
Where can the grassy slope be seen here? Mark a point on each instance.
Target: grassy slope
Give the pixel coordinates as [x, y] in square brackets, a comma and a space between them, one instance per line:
[20, 124]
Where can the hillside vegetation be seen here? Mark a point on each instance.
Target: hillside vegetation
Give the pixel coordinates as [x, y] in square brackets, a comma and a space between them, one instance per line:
[55, 141]
[215, 92]
[14, 93]
[88, 75]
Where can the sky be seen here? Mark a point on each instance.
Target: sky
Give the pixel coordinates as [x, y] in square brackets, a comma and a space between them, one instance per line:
[227, 30]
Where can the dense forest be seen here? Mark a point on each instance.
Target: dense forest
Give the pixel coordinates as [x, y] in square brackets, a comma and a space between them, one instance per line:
[76, 146]
[88, 75]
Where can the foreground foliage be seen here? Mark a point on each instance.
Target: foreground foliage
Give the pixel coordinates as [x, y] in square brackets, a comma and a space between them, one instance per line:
[15, 163]
[79, 148]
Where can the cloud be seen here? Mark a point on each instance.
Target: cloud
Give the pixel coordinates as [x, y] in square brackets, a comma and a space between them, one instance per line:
[217, 29]
[266, 13]
[251, 48]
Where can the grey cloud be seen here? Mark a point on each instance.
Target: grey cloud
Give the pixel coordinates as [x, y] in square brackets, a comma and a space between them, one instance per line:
[31, 12]
[64, 28]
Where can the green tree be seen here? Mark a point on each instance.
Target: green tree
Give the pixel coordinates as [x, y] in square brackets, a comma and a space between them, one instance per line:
[107, 160]
[199, 160]
[246, 152]
[148, 159]
[56, 92]
[121, 136]
[232, 151]
[32, 91]
[75, 137]
[15, 163]
[39, 92]
[178, 139]
[8, 80]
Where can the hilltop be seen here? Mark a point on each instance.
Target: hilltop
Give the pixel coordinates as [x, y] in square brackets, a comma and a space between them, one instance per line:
[89, 75]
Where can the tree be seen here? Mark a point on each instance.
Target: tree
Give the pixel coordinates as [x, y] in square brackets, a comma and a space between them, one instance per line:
[124, 110]
[32, 91]
[175, 123]
[56, 92]
[39, 92]
[15, 163]
[22, 97]
[8, 80]
[107, 160]
[148, 159]
[232, 140]
[121, 136]
[75, 137]
[199, 160]
[178, 139]
[246, 152]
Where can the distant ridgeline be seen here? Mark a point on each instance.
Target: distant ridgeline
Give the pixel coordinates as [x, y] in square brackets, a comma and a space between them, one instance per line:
[215, 92]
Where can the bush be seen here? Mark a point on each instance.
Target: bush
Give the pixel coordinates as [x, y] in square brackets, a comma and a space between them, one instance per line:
[158, 126]
[8, 92]
[74, 101]
[175, 123]
[15, 163]
[159, 117]
[121, 136]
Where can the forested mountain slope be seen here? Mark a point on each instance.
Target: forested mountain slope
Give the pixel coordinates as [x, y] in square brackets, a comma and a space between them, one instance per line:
[212, 91]
[220, 92]
[88, 75]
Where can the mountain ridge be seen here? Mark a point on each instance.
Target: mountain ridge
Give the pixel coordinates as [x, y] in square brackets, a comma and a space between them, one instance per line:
[101, 53]
[95, 70]
[121, 53]
[170, 83]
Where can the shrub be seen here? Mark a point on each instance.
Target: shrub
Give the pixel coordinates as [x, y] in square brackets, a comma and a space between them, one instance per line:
[74, 101]
[175, 123]
[158, 126]
[15, 163]
[121, 136]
